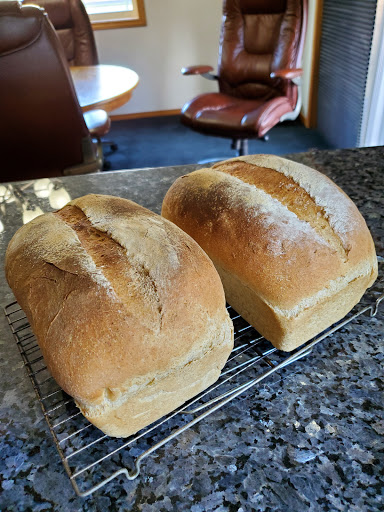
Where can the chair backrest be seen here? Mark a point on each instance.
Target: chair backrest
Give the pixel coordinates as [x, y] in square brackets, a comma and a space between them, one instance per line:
[72, 24]
[258, 37]
[42, 129]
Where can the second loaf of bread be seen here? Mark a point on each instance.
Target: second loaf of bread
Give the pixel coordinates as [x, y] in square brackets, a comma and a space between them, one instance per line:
[128, 310]
[292, 250]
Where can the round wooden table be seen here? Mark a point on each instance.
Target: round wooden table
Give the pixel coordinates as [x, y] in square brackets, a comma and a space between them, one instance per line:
[103, 86]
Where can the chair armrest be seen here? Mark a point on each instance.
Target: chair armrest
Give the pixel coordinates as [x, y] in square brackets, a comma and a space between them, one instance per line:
[196, 70]
[288, 74]
[204, 71]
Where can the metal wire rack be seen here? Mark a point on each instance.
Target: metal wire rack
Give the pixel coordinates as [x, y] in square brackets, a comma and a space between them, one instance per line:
[92, 459]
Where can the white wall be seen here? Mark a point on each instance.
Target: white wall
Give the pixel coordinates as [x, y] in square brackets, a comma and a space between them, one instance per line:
[178, 33]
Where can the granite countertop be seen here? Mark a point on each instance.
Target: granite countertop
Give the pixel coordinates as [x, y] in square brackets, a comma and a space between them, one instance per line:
[308, 439]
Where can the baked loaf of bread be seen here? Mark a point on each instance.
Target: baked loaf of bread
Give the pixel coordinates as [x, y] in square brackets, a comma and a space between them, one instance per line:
[128, 310]
[292, 250]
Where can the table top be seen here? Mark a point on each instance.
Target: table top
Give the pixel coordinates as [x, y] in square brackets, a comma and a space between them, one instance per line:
[309, 439]
[103, 86]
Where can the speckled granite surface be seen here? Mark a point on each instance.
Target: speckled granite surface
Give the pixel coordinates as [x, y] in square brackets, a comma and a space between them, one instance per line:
[310, 441]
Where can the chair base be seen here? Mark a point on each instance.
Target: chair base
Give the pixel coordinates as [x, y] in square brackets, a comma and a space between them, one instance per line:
[113, 147]
[241, 147]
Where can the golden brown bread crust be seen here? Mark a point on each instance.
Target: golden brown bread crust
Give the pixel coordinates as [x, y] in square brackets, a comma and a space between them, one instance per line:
[119, 299]
[281, 235]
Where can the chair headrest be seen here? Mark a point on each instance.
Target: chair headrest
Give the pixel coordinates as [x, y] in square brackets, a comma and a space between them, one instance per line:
[262, 6]
[20, 25]
[10, 7]
[59, 12]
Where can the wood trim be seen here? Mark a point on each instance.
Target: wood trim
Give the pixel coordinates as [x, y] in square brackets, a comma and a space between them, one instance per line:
[140, 115]
[140, 21]
[304, 120]
[311, 120]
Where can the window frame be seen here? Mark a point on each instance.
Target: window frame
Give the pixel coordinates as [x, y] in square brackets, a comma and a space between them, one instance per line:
[122, 19]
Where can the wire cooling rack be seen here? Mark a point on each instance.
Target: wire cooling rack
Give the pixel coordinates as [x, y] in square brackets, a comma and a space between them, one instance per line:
[93, 459]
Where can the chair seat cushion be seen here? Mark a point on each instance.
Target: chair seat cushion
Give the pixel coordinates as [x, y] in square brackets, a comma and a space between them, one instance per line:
[224, 115]
[98, 122]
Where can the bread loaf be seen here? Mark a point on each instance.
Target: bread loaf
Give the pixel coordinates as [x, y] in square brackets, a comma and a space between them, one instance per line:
[292, 250]
[128, 310]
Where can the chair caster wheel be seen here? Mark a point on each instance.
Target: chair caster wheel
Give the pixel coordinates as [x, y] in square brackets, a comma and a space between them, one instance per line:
[106, 165]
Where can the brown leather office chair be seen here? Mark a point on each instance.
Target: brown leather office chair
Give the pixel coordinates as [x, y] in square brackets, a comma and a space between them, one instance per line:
[74, 29]
[261, 46]
[73, 26]
[42, 129]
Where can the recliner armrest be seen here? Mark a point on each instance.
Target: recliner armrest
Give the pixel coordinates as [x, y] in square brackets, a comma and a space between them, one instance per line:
[202, 70]
[196, 70]
[288, 74]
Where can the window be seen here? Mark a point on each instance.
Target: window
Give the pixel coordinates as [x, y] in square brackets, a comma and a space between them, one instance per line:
[115, 13]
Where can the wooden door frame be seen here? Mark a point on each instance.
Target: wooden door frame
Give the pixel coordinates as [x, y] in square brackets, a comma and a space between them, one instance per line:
[310, 120]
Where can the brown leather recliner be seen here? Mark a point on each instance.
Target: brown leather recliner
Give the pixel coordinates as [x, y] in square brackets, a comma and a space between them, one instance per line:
[259, 71]
[42, 129]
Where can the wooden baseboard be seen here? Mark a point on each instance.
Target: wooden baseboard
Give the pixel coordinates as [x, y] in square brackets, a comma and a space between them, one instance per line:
[304, 120]
[139, 115]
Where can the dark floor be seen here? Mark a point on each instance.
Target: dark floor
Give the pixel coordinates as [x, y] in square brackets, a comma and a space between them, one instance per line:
[162, 141]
